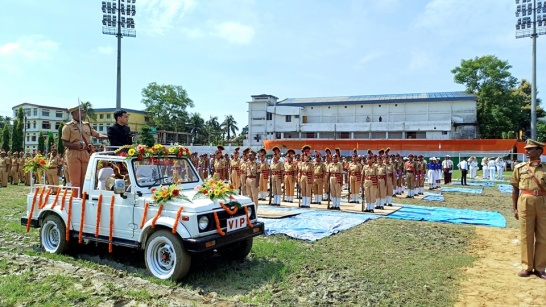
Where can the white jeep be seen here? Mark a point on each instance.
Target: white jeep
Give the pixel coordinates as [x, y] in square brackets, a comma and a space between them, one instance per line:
[118, 208]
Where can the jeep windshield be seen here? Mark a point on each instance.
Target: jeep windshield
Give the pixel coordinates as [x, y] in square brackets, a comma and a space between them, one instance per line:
[162, 171]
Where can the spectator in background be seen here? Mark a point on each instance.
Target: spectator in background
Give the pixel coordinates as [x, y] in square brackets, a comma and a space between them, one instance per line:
[463, 166]
[119, 133]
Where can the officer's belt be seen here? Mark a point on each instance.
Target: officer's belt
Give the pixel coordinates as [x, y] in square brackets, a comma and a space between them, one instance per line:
[533, 192]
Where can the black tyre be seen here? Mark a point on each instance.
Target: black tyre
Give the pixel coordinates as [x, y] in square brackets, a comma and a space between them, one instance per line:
[53, 235]
[166, 257]
[237, 251]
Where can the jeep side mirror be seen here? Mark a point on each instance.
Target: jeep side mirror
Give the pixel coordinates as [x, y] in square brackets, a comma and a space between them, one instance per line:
[119, 186]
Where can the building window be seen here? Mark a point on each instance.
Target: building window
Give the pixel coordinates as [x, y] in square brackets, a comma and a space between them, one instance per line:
[296, 116]
[108, 116]
[146, 119]
[411, 135]
[277, 136]
[45, 112]
[33, 138]
[28, 138]
[46, 125]
[28, 125]
[57, 125]
[288, 118]
[268, 116]
[59, 114]
[34, 124]
[344, 135]
[101, 128]
[310, 135]
[101, 116]
[35, 111]
[444, 132]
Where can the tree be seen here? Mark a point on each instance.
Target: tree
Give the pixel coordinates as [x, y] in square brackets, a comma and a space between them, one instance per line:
[490, 80]
[521, 96]
[213, 131]
[5, 137]
[90, 114]
[230, 126]
[41, 142]
[18, 131]
[50, 140]
[60, 146]
[167, 105]
[197, 125]
[146, 136]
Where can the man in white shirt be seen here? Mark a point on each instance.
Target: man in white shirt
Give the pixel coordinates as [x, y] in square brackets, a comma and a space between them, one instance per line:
[463, 166]
[447, 168]
[492, 169]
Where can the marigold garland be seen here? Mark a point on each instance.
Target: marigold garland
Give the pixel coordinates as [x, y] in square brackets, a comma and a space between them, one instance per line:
[99, 209]
[41, 197]
[46, 198]
[111, 223]
[82, 217]
[144, 215]
[230, 212]
[55, 201]
[157, 215]
[63, 199]
[248, 218]
[218, 228]
[69, 215]
[177, 218]
[32, 208]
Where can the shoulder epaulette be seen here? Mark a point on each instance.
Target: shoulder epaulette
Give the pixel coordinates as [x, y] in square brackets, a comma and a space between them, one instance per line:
[520, 164]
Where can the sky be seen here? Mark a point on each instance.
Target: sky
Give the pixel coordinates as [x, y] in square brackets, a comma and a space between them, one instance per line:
[223, 51]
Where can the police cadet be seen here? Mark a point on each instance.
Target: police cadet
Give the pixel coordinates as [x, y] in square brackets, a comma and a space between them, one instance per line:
[264, 178]
[235, 167]
[319, 172]
[355, 177]
[242, 167]
[529, 204]
[52, 165]
[327, 162]
[8, 167]
[277, 171]
[399, 167]
[410, 168]
[381, 182]
[219, 166]
[3, 169]
[369, 175]
[203, 166]
[252, 177]
[305, 176]
[335, 175]
[75, 136]
[21, 166]
[15, 168]
[391, 180]
[289, 175]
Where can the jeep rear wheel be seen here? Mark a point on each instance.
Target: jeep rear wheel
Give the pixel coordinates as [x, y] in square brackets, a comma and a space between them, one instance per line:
[166, 257]
[53, 235]
[237, 251]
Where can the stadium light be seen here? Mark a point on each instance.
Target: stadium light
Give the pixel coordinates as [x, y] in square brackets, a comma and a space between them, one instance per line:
[531, 22]
[117, 19]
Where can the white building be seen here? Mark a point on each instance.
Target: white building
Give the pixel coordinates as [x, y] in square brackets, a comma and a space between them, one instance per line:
[40, 118]
[445, 115]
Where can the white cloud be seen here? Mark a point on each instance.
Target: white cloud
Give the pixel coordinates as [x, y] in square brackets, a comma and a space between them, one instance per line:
[29, 48]
[193, 33]
[158, 16]
[421, 62]
[234, 32]
[105, 50]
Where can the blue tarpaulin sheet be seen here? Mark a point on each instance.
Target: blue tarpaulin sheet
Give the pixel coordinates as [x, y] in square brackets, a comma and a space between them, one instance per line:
[505, 188]
[462, 190]
[478, 183]
[449, 215]
[433, 197]
[312, 225]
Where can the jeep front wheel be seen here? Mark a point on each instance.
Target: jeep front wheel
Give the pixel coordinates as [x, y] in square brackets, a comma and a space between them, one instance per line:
[53, 235]
[166, 257]
[237, 251]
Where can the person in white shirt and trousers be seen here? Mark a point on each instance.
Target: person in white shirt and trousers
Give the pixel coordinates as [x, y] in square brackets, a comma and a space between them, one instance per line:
[501, 165]
[463, 166]
[492, 169]
[473, 165]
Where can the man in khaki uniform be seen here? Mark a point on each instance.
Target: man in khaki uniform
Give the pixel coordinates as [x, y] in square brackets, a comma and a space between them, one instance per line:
[355, 178]
[8, 169]
[76, 135]
[52, 168]
[327, 162]
[335, 177]
[21, 167]
[319, 174]
[14, 171]
[381, 199]
[391, 180]
[305, 176]
[220, 170]
[289, 175]
[203, 166]
[410, 168]
[235, 167]
[252, 178]
[277, 173]
[369, 176]
[529, 204]
[3, 169]
[264, 178]
[242, 170]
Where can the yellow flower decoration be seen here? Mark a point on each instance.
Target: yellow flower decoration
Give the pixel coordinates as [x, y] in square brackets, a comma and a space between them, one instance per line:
[171, 150]
[131, 152]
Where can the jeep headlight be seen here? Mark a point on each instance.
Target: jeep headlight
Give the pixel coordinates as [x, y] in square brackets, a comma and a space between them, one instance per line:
[250, 211]
[203, 222]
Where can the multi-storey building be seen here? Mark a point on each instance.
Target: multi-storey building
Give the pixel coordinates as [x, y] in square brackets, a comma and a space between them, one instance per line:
[445, 115]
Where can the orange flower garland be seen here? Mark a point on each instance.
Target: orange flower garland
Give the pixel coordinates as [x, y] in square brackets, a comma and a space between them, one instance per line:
[230, 212]
[177, 218]
[63, 199]
[247, 218]
[99, 209]
[157, 215]
[41, 197]
[55, 201]
[220, 231]
[69, 215]
[32, 208]
[46, 198]
[111, 223]
[82, 217]
[144, 215]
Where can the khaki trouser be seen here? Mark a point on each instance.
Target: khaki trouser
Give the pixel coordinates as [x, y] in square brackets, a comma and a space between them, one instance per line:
[390, 184]
[410, 181]
[289, 185]
[381, 188]
[335, 187]
[263, 183]
[251, 190]
[305, 187]
[77, 166]
[235, 180]
[22, 177]
[276, 185]
[532, 226]
[370, 191]
[52, 177]
[243, 185]
[3, 177]
[354, 184]
[318, 186]
[14, 175]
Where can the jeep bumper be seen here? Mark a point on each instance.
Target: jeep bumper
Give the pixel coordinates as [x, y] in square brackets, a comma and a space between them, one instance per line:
[203, 244]
[33, 222]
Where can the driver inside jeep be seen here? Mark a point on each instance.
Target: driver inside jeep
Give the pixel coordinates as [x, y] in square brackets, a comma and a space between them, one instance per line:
[120, 172]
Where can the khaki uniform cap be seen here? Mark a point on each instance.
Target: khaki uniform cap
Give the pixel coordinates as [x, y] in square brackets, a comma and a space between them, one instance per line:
[532, 143]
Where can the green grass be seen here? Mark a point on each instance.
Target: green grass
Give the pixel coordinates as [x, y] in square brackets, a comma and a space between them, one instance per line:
[382, 262]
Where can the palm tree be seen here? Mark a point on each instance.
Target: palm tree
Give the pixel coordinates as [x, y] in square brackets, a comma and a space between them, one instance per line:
[90, 114]
[213, 128]
[197, 125]
[230, 126]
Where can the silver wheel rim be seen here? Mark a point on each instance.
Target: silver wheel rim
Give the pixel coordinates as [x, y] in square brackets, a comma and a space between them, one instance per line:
[161, 257]
[51, 236]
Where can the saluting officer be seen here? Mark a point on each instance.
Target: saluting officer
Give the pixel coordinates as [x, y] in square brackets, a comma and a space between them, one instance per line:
[76, 135]
[381, 182]
[242, 167]
[391, 181]
[21, 166]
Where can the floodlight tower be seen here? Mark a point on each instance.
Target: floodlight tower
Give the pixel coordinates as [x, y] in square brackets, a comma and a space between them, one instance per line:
[117, 20]
[531, 22]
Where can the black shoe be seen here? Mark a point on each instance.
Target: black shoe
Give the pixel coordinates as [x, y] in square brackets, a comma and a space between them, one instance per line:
[408, 196]
[371, 211]
[390, 205]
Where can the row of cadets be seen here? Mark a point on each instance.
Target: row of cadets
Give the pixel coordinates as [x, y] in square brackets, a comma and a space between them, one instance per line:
[290, 170]
[277, 173]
